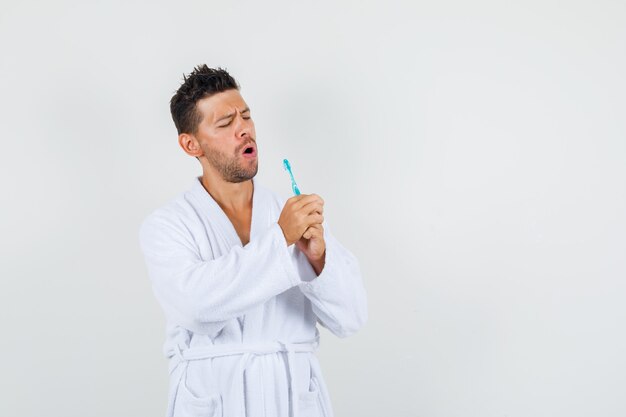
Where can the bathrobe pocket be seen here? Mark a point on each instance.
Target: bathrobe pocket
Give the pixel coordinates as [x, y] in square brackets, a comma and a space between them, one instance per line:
[190, 403]
[309, 403]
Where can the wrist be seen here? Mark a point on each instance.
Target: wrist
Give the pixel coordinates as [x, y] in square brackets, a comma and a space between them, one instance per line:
[318, 264]
[284, 235]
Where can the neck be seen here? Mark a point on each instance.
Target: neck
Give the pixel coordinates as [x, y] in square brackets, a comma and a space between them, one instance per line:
[233, 197]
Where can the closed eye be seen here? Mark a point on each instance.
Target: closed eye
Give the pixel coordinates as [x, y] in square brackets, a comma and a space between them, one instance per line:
[246, 118]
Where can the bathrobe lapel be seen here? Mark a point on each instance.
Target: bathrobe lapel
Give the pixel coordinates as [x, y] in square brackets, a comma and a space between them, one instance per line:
[260, 214]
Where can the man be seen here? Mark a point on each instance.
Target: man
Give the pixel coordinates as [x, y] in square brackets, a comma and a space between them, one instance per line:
[242, 275]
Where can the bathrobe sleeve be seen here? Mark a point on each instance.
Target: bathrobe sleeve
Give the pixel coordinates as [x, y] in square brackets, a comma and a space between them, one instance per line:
[337, 295]
[201, 295]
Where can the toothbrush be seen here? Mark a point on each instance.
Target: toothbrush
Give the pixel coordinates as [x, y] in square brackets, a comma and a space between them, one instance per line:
[294, 186]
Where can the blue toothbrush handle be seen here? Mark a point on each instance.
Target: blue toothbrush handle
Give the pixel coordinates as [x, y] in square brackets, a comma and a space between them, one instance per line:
[294, 186]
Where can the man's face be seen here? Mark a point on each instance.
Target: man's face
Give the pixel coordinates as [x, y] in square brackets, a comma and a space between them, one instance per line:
[225, 132]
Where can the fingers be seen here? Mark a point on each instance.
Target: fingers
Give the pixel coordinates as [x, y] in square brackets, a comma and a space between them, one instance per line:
[298, 213]
[313, 206]
[315, 230]
[307, 210]
[314, 218]
[317, 227]
[303, 199]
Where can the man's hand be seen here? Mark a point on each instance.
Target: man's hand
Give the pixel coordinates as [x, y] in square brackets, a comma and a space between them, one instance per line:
[298, 214]
[312, 244]
[301, 220]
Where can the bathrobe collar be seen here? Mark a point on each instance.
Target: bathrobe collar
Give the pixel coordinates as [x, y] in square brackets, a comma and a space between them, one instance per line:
[216, 214]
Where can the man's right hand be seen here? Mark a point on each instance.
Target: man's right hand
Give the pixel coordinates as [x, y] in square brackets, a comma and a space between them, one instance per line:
[298, 214]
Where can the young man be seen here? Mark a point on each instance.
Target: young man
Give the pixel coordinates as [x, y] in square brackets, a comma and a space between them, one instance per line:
[242, 275]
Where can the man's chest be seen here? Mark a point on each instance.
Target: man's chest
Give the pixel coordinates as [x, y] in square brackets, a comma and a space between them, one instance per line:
[241, 222]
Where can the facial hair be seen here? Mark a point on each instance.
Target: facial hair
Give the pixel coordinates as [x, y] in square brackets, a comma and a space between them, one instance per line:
[231, 168]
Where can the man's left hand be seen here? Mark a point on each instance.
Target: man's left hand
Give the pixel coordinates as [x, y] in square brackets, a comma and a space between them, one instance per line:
[312, 244]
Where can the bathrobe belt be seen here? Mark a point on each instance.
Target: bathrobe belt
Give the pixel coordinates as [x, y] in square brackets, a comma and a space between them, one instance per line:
[246, 350]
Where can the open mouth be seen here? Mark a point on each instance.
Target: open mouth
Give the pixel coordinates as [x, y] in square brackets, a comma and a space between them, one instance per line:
[249, 151]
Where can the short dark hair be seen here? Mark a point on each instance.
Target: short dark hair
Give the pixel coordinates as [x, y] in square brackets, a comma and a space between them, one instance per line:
[200, 83]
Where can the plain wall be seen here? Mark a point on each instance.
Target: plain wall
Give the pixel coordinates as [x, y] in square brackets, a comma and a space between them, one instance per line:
[471, 154]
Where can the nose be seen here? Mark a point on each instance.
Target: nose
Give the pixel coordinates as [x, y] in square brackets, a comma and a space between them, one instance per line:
[244, 127]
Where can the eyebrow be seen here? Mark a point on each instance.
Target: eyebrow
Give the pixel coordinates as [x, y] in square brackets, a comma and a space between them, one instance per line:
[232, 114]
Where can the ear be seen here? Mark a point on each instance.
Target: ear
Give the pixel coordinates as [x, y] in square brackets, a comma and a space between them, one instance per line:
[190, 144]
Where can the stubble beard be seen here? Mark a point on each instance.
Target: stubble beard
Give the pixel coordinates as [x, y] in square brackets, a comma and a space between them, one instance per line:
[232, 169]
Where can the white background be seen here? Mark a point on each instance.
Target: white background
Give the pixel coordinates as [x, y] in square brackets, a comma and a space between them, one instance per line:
[471, 154]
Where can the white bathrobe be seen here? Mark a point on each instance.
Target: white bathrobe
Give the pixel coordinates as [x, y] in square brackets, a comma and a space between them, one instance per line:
[241, 320]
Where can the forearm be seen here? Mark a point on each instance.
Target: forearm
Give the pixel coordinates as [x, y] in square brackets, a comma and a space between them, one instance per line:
[202, 295]
[337, 295]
